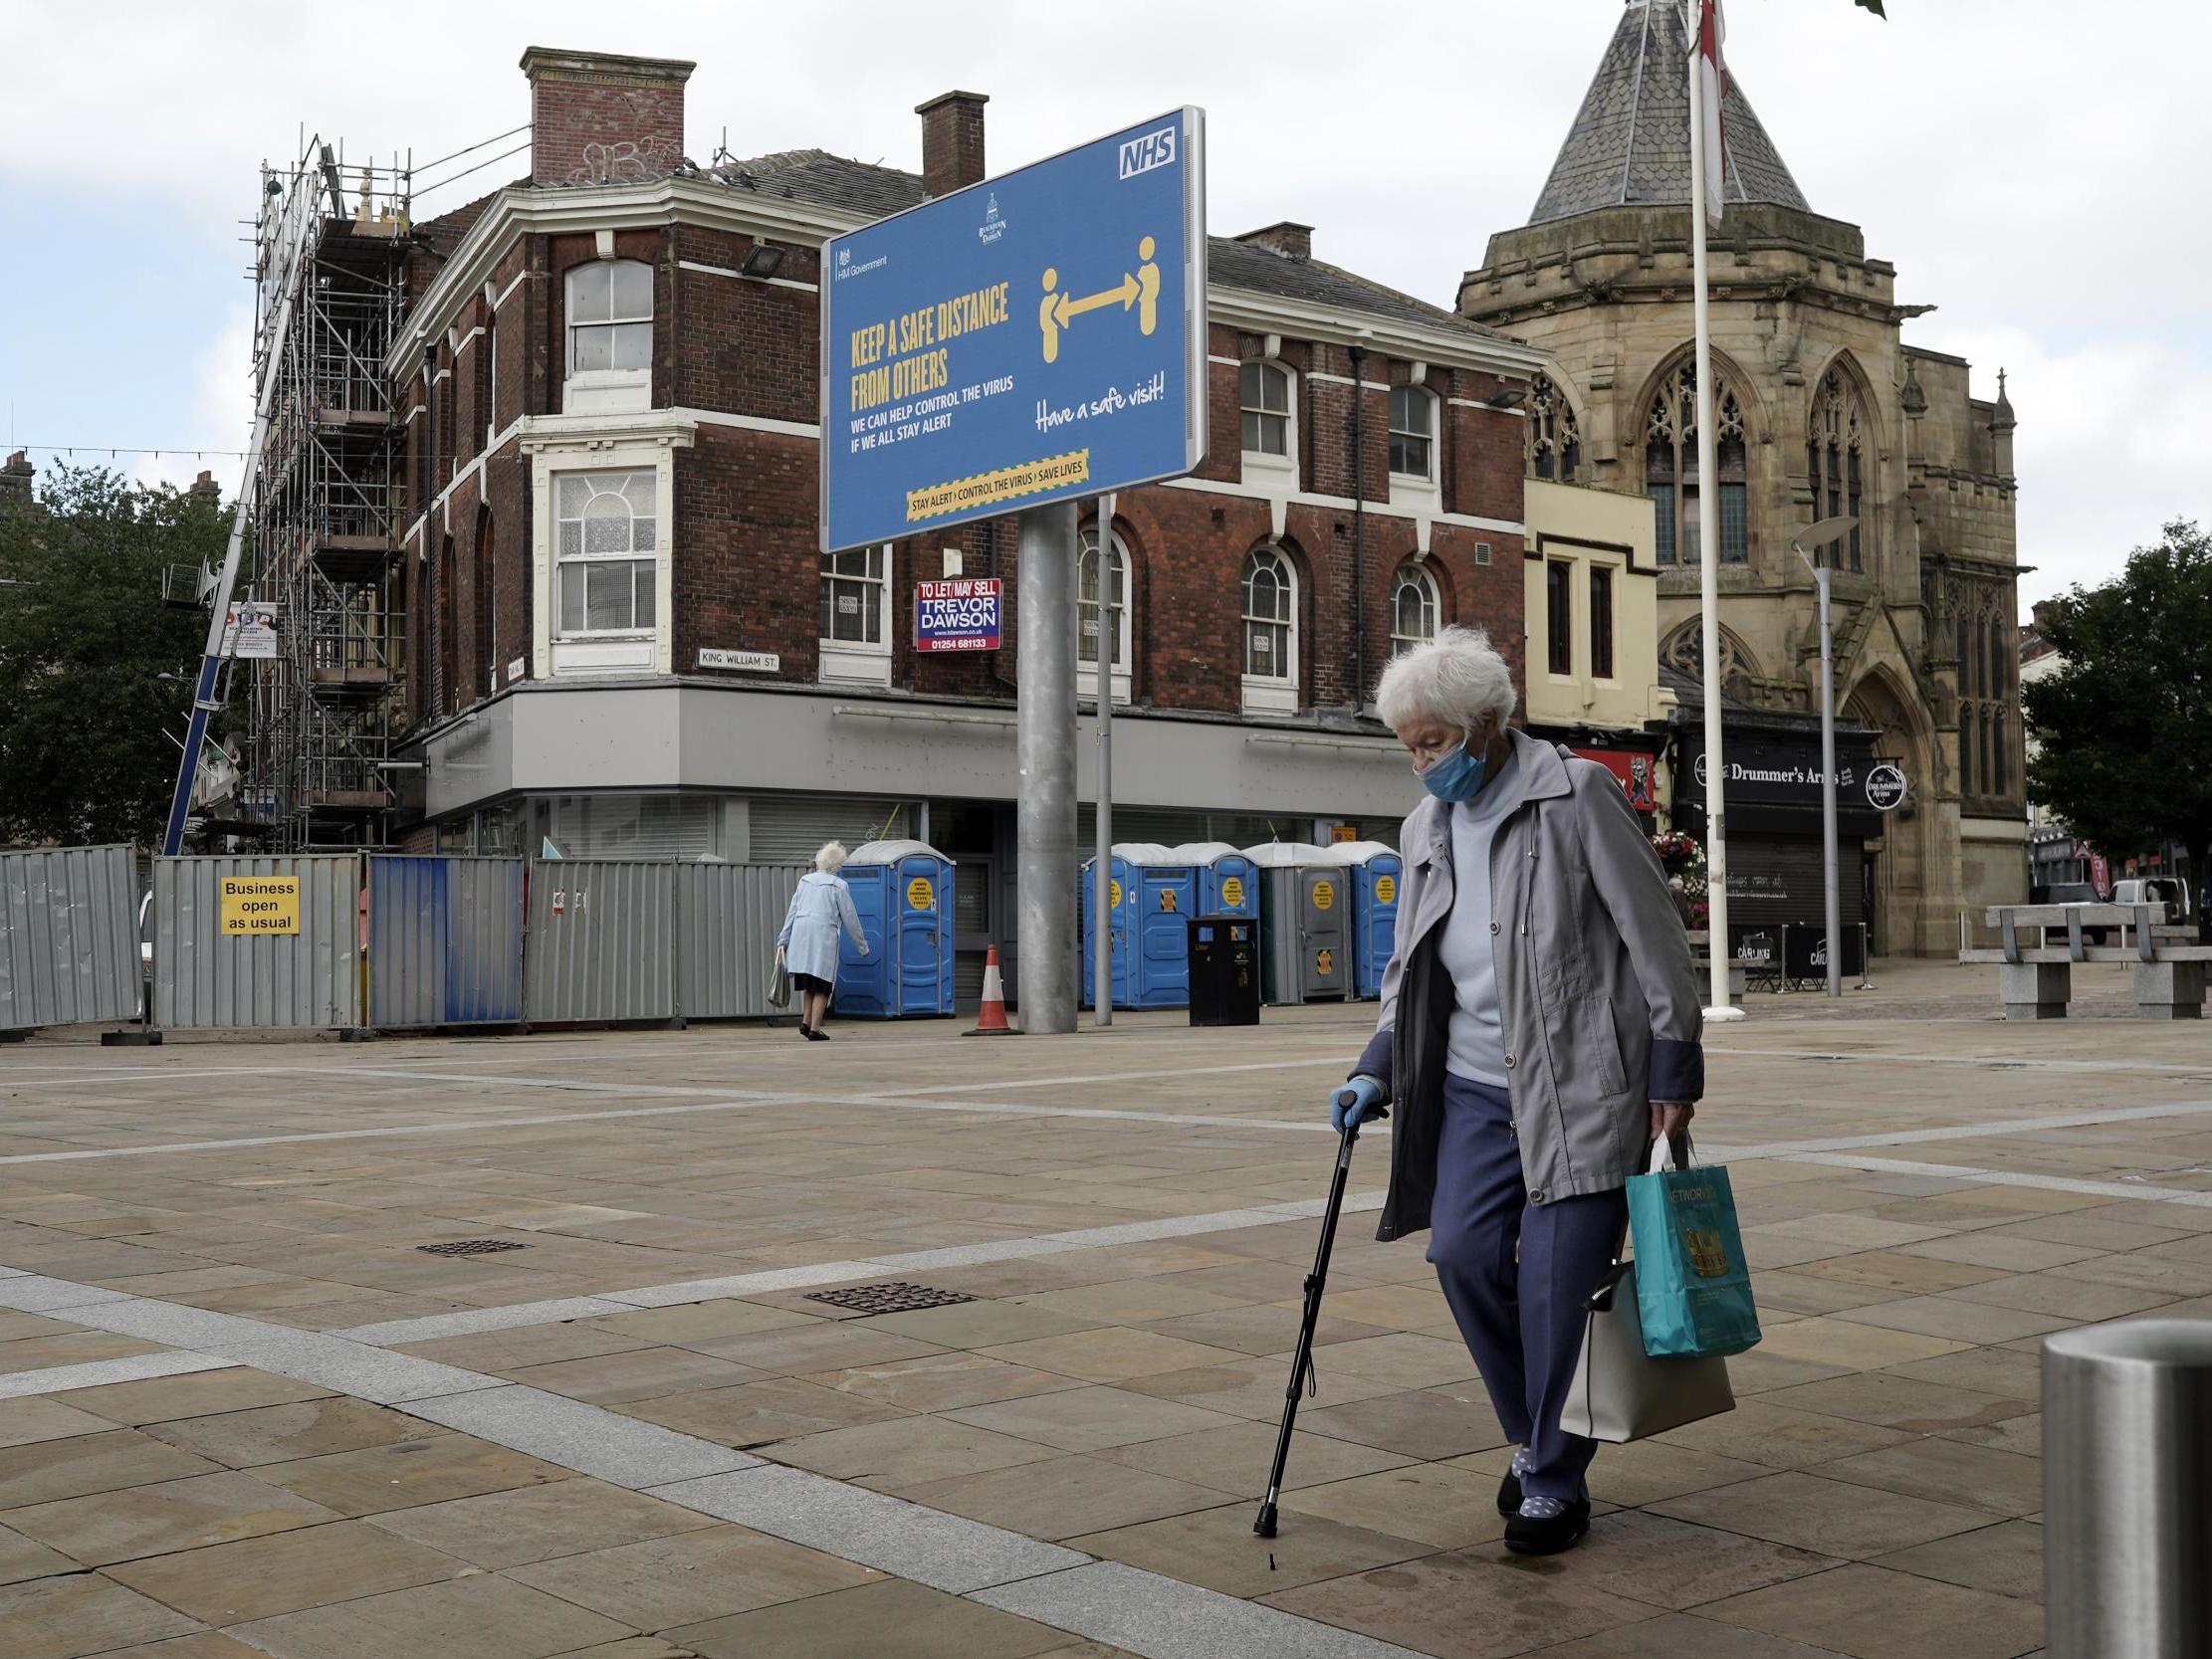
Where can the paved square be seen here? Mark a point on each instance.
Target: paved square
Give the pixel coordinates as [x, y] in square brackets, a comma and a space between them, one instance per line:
[240, 1411]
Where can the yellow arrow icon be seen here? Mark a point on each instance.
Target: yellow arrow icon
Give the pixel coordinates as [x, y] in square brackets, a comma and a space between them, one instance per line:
[1125, 292]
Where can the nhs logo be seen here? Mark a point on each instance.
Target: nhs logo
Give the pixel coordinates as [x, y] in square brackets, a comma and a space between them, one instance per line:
[1154, 149]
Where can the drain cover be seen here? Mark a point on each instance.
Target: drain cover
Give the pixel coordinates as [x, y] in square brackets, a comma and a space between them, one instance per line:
[888, 1299]
[470, 1247]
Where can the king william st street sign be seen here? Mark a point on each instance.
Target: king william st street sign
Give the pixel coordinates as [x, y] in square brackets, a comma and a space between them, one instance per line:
[1034, 339]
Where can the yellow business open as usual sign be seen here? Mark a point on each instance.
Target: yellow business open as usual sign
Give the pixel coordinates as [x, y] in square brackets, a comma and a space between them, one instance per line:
[260, 904]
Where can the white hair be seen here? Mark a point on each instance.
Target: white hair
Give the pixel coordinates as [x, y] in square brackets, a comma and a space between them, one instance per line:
[1455, 679]
[831, 856]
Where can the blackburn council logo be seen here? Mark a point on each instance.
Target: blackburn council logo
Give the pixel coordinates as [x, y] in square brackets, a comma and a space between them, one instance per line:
[993, 227]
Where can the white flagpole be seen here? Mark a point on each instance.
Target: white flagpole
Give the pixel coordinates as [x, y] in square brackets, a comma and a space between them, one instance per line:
[1709, 544]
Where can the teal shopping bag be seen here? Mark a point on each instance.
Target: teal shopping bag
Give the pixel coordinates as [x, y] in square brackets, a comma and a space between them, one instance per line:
[1692, 1286]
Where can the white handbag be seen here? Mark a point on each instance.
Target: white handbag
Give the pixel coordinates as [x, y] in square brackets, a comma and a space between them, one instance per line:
[780, 982]
[1620, 1392]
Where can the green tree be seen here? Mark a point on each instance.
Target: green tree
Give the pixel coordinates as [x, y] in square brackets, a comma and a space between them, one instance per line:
[1875, 6]
[89, 724]
[2125, 729]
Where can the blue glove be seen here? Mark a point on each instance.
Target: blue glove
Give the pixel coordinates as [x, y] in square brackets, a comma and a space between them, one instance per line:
[1356, 1102]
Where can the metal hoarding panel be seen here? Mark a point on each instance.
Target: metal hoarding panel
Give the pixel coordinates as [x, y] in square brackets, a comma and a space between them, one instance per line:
[306, 978]
[726, 920]
[445, 941]
[69, 936]
[602, 943]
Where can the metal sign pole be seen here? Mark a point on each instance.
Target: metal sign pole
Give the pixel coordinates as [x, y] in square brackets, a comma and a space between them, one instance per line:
[1102, 665]
[1709, 558]
[1828, 790]
[1045, 738]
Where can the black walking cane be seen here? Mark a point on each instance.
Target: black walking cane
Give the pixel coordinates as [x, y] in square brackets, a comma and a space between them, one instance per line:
[1301, 1363]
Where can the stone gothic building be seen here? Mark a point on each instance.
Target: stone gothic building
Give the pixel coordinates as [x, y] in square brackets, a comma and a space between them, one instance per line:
[1822, 409]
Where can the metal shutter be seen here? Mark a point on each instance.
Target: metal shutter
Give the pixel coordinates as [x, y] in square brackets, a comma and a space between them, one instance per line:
[1774, 879]
[789, 829]
[636, 826]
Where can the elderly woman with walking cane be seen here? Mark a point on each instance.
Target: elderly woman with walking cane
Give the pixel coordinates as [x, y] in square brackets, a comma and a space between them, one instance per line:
[808, 947]
[1540, 1030]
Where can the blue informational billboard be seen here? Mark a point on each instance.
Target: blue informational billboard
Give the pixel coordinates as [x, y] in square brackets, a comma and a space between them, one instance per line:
[1035, 337]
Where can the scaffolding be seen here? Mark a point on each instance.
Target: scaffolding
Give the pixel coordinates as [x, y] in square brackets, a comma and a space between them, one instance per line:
[326, 494]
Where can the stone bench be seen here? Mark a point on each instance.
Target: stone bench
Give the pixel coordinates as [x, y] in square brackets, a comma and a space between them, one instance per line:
[2036, 981]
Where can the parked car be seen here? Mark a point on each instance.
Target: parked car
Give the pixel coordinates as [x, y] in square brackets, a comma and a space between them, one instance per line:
[2076, 893]
[2171, 892]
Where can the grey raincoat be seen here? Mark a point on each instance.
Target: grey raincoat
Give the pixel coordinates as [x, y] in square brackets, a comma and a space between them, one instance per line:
[1597, 992]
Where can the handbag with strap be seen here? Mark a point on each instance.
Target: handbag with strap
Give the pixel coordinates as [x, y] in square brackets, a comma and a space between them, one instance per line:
[780, 982]
[1620, 1392]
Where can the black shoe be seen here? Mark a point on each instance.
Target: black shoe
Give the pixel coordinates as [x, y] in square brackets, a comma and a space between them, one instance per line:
[815, 1036]
[805, 1031]
[1509, 1495]
[1527, 1536]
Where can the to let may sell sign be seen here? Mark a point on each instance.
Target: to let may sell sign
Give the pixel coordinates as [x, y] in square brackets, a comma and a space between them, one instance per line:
[1033, 338]
[957, 615]
[260, 903]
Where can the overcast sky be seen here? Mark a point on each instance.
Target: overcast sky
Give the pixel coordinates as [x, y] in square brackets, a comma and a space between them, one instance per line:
[2044, 182]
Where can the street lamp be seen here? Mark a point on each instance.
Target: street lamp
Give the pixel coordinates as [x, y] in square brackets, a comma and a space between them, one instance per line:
[1821, 535]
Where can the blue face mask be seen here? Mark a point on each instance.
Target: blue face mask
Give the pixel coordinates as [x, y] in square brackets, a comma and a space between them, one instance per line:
[1456, 775]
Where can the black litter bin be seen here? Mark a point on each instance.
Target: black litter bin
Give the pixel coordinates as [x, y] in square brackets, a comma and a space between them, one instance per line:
[1224, 970]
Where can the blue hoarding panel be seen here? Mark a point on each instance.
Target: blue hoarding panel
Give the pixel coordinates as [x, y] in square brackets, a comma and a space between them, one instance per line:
[1033, 338]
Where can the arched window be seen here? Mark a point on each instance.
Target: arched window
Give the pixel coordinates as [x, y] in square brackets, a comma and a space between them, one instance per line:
[1836, 462]
[1670, 468]
[2000, 749]
[1270, 427]
[607, 551]
[1553, 435]
[1966, 772]
[1414, 607]
[1270, 631]
[1116, 627]
[1413, 434]
[1989, 752]
[486, 596]
[610, 337]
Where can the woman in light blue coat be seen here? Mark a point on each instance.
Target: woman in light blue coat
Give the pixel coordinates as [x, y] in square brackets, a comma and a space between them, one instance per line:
[820, 907]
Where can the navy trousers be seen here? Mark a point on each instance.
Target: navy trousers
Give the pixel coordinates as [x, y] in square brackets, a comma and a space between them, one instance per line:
[1516, 1276]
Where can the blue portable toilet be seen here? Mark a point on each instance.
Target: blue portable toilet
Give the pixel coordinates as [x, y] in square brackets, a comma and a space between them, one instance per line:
[903, 891]
[1227, 880]
[1371, 871]
[1152, 901]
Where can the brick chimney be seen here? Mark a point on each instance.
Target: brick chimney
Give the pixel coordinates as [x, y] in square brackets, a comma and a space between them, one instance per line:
[205, 486]
[1289, 237]
[952, 141]
[598, 117]
[15, 477]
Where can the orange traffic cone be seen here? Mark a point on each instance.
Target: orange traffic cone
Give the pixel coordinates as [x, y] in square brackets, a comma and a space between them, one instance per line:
[991, 1022]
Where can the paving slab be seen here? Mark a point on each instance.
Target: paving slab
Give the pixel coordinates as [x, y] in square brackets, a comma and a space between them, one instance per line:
[693, 1576]
[911, 1621]
[539, 1522]
[66, 1618]
[167, 1515]
[485, 1617]
[1826, 1516]
[282, 1573]
[402, 1475]
[1872, 1613]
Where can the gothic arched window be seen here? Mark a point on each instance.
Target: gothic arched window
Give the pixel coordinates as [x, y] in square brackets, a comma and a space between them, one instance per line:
[1553, 435]
[1836, 462]
[1670, 469]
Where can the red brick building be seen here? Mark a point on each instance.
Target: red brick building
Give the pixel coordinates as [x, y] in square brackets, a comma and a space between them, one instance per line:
[625, 639]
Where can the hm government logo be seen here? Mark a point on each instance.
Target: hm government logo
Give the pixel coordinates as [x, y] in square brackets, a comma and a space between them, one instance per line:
[993, 227]
[844, 255]
[1141, 155]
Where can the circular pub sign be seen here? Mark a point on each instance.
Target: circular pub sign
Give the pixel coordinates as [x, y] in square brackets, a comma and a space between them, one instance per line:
[1885, 786]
